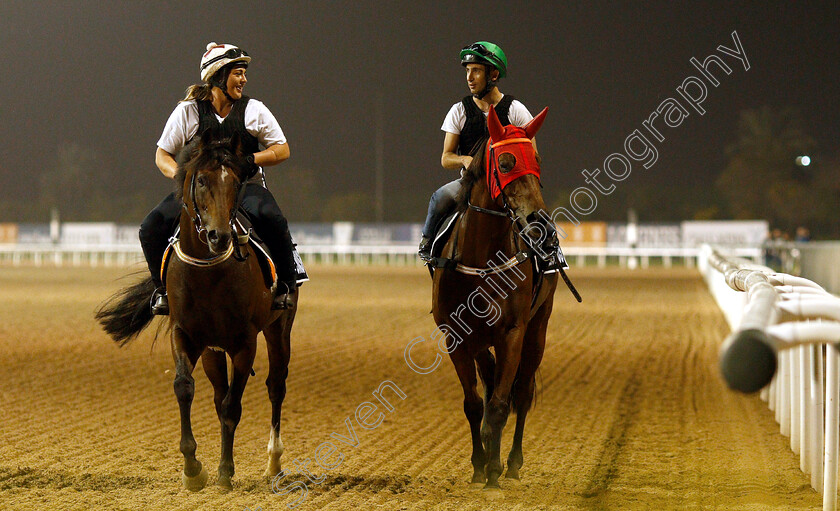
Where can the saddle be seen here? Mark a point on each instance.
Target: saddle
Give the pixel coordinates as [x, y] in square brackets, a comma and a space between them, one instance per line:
[244, 235]
[446, 230]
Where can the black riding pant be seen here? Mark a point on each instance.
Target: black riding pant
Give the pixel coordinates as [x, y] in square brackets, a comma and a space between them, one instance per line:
[262, 211]
[155, 231]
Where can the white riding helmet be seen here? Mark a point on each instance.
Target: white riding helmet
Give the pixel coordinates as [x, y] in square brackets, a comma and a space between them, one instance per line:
[218, 56]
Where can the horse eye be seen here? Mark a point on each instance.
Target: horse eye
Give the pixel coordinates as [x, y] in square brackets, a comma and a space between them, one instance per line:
[201, 180]
[507, 162]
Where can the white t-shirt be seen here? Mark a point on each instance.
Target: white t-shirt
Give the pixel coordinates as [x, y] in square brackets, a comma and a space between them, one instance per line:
[183, 123]
[518, 115]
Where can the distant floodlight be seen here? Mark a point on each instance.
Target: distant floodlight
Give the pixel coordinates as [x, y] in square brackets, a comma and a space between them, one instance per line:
[803, 161]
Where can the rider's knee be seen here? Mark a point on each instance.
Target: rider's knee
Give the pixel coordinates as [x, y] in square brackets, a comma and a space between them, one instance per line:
[151, 227]
[271, 213]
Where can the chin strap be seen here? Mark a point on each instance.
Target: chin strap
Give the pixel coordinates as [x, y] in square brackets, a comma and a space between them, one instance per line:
[222, 84]
[487, 89]
[225, 92]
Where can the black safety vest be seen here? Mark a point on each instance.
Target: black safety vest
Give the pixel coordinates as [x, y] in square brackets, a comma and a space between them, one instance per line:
[475, 127]
[233, 123]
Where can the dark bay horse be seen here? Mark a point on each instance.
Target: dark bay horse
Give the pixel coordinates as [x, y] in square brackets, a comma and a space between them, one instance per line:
[495, 296]
[219, 302]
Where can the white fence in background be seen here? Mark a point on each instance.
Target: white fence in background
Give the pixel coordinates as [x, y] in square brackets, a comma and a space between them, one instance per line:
[403, 254]
[819, 262]
[785, 328]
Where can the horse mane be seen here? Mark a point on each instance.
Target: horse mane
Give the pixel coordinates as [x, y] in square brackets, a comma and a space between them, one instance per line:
[184, 157]
[474, 173]
[198, 154]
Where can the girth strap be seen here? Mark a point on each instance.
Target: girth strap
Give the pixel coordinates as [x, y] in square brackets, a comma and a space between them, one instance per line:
[451, 264]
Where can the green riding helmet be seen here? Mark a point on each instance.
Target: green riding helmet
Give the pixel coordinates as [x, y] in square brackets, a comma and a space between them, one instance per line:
[483, 52]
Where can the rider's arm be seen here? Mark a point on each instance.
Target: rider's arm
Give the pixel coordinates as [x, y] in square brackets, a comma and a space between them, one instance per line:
[272, 155]
[449, 159]
[166, 163]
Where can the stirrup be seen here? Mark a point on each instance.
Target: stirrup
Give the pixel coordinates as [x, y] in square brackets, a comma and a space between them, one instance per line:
[159, 303]
[283, 300]
[425, 250]
[555, 261]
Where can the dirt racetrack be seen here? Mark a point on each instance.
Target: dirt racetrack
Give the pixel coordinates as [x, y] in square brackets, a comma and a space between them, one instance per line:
[632, 414]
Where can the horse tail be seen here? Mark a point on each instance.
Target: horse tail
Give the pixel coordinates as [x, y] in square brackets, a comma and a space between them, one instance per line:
[127, 312]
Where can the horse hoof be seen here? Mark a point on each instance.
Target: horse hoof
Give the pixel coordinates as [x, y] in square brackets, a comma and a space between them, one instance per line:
[513, 481]
[195, 483]
[476, 486]
[493, 493]
[224, 483]
[512, 475]
[269, 475]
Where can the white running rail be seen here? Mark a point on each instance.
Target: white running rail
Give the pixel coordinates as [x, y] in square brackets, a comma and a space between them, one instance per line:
[396, 254]
[787, 329]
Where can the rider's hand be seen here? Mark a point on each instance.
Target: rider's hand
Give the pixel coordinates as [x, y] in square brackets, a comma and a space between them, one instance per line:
[466, 160]
[251, 167]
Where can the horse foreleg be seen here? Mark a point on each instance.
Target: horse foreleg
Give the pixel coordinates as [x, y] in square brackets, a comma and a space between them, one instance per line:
[497, 410]
[277, 337]
[232, 410]
[194, 476]
[533, 347]
[473, 409]
[215, 367]
[486, 364]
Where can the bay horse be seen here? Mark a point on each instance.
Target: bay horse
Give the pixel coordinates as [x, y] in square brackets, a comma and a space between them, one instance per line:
[218, 304]
[496, 268]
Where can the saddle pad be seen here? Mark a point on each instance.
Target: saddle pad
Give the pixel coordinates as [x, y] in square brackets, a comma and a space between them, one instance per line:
[444, 231]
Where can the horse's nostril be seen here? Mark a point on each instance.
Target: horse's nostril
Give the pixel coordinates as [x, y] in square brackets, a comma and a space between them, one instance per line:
[213, 236]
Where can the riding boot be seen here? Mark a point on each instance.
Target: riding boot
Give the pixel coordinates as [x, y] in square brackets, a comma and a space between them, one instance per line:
[284, 296]
[554, 259]
[425, 251]
[282, 250]
[159, 302]
[286, 272]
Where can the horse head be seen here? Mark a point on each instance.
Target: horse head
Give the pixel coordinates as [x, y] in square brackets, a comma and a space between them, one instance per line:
[212, 178]
[513, 167]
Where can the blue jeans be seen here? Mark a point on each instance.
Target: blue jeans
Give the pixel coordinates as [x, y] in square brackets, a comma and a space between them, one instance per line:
[440, 205]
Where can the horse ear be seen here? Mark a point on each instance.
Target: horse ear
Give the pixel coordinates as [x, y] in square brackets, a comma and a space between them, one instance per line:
[494, 125]
[236, 144]
[207, 137]
[534, 126]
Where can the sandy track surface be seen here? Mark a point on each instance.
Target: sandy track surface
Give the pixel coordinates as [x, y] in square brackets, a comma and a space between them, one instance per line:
[631, 415]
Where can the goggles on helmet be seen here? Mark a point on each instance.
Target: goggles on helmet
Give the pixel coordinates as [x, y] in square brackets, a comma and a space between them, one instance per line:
[232, 53]
[481, 49]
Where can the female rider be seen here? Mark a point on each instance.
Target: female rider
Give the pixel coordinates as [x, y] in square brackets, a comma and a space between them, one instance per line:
[218, 102]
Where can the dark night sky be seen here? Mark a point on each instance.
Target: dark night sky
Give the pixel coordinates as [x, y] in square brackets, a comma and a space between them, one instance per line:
[106, 75]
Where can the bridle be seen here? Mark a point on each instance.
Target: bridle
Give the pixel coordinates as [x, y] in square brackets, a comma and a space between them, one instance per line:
[494, 174]
[234, 248]
[508, 212]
